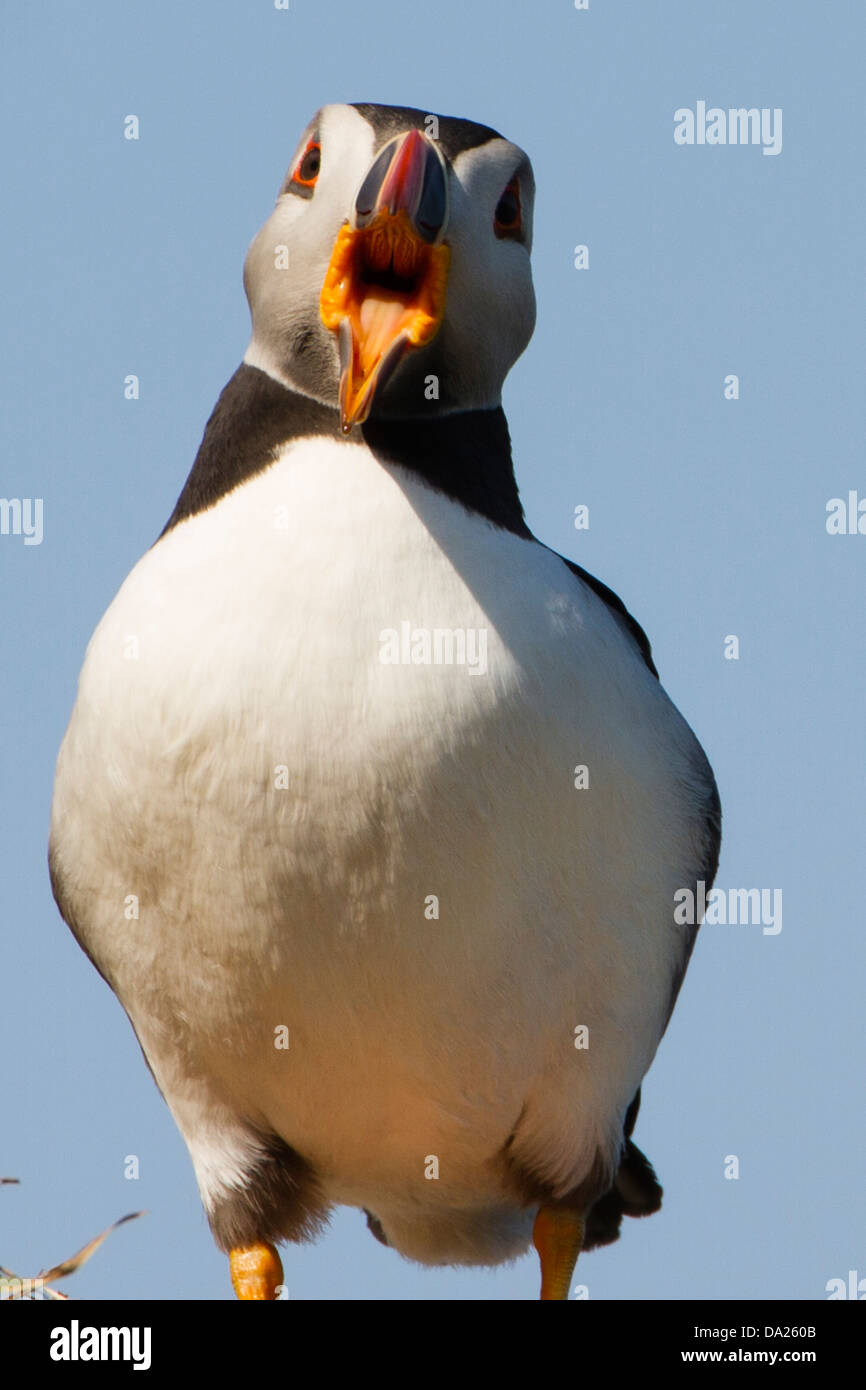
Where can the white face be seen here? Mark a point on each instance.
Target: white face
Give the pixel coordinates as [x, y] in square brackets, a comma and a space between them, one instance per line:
[489, 311]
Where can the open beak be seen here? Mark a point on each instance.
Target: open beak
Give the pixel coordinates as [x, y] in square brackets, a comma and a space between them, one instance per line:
[384, 290]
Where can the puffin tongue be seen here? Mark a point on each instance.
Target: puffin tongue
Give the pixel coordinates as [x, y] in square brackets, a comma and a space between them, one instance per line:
[383, 314]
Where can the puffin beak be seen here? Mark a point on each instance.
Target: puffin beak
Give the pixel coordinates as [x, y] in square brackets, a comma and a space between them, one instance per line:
[384, 290]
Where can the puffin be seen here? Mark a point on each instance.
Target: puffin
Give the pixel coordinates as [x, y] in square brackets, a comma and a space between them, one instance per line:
[372, 808]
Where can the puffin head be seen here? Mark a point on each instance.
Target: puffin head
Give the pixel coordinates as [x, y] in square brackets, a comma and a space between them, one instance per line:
[392, 279]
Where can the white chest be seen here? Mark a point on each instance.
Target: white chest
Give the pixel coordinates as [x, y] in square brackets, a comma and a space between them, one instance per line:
[326, 738]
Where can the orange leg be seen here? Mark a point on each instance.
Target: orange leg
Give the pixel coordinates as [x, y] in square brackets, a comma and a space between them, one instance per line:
[557, 1236]
[256, 1271]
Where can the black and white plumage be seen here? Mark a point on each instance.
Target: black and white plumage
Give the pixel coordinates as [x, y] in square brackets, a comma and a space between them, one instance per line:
[334, 498]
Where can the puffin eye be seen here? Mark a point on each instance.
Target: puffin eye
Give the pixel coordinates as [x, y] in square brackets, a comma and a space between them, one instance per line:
[306, 170]
[508, 217]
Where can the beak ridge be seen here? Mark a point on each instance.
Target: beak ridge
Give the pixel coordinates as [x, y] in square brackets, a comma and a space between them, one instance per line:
[407, 176]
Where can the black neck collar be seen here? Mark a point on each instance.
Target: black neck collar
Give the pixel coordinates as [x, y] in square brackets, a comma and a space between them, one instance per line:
[467, 456]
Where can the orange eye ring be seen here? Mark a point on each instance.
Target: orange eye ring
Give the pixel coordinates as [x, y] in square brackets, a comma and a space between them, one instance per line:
[306, 171]
[508, 217]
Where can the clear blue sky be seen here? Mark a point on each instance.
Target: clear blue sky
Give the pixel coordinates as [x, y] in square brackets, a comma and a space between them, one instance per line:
[706, 515]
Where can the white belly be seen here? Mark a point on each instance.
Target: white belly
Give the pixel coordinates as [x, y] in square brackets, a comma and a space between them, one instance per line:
[245, 651]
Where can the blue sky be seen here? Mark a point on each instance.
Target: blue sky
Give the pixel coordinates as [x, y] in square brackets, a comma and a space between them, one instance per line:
[707, 515]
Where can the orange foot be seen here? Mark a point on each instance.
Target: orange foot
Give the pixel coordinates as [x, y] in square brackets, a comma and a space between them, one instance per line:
[557, 1236]
[256, 1271]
